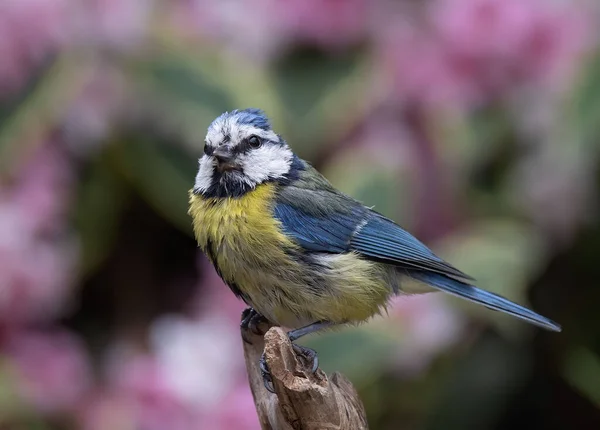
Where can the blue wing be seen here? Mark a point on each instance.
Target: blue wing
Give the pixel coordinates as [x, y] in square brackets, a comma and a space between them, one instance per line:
[359, 229]
[320, 219]
[383, 240]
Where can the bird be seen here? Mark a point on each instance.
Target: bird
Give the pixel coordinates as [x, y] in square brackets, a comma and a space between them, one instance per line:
[300, 253]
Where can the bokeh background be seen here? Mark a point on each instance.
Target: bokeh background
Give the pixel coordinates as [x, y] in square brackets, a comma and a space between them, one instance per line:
[474, 123]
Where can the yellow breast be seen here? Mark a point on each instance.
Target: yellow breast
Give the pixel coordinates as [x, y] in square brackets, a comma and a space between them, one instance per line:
[240, 234]
[236, 222]
[246, 244]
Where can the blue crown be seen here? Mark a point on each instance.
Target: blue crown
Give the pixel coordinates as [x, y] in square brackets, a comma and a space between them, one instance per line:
[250, 116]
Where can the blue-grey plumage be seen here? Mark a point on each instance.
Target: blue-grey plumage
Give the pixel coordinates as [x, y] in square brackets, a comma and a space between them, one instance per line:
[296, 249]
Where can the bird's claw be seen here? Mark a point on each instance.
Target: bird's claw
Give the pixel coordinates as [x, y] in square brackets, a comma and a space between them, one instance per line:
[307, 355]
[266, 374]
[251, 320]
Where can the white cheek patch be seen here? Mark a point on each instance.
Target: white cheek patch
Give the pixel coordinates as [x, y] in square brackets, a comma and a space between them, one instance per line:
[267, 162]
[205, 174]
[270, 161]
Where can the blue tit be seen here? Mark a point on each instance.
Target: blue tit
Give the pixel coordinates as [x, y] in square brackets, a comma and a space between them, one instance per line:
[300, 253]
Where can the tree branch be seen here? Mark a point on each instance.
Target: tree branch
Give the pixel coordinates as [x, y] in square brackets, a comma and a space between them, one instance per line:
[303, 400]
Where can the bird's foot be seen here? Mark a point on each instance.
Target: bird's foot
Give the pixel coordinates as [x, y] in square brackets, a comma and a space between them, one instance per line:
[308, 357]
[266, 374]
[251, 320]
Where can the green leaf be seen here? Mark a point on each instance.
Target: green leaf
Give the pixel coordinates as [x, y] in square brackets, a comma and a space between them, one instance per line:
[483, 383]
[26, 124]
[184, 83]
[582, 370]
[583, 110]
[352, 350]
[194, 88]
[360, 175]
[304, 77]
[323, 95]
[101, 200]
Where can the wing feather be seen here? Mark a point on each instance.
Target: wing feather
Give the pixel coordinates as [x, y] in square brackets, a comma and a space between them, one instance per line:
[383, 240]
[320, 219]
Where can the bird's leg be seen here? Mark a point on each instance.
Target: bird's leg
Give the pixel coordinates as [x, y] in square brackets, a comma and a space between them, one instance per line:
[308, 355]
[311, 328]
[251, 321]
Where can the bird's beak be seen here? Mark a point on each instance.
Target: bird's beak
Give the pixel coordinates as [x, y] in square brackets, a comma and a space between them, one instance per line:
[225, 159]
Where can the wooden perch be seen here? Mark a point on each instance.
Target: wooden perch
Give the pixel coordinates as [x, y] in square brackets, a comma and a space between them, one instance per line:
[302, 400]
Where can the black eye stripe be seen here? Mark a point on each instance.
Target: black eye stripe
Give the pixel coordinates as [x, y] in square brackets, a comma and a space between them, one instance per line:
[246, 145]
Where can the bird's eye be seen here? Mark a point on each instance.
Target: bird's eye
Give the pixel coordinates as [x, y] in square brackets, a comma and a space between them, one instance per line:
[254, 141]
[208, 150]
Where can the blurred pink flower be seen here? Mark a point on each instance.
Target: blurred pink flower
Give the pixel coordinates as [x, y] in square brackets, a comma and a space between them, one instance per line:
[106, 410]
[556, 192]
[237, 410]
[476, 50]
[429, 327]
[96, 110]
[240, 25]
[37, 257]
[138, 396]
[43, 188]
[213, 294]
[51, 368]
[202, 359]
[30, 30]
[119, 24]
[262, 28]
[193, 378]
[156, 404]
[330, 23]
[204, 362]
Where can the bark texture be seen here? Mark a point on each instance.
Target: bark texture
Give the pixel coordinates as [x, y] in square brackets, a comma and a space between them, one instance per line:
[302, 400]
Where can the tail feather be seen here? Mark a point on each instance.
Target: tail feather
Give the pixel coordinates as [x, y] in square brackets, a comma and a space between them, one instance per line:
[491, 300]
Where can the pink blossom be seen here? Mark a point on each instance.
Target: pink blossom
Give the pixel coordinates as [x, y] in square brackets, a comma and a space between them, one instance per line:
[241, 26]
[36, 256]
[473, 50]
[118, 24]
[237, 410]
[136, 395]
[142, 409]
[329, 23]
[30, 30]
[155, 391]
[213, 294]
[153, 401]
[203, 362]
[90, 117]
[202, 359]
[107, 410]
[429, 326]
[51, 368]
[43, 188]
[262, 28]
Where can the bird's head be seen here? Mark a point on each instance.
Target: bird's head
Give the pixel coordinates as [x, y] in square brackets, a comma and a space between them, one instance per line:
[241, 151]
